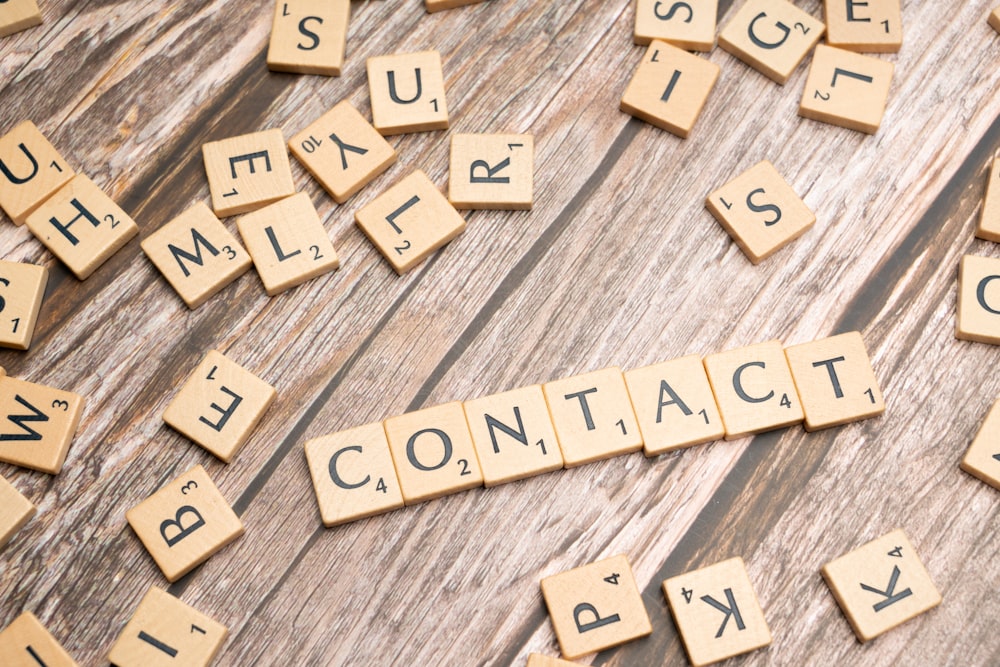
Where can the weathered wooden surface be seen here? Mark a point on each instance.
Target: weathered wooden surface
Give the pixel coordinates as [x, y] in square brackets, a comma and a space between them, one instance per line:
[618, 264]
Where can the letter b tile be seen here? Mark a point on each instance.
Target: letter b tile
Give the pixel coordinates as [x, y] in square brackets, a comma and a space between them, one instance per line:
[183, 524]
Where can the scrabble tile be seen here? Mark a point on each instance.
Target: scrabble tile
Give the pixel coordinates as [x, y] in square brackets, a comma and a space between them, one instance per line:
[979, 300]
[864, 25]
[409, 221]
[674, 405]
[835, 381]
[44, 418]
[753, 388]
[491, 171]
[15, 511]
[539, 660]
[26, 643]
[994, 19]
[196, 254]
[18, 15]
[433, 452]
[846, 89]
[717, 612]
[689, 25]
[513, 435]
[247, 171]
[593, 416]
[32, 169]
[22, 287]
[288, 243]
[309, 36]
[183, 524]
[760, 211]
[353, 474]
[989, 217]
[438, 5]
[669, 88]
[771, 36]
[407, 93]
[595, 607]
[165, 632]
[881, 585]
[983, 458]
[81, 226]
[342, 151]
[220, 405]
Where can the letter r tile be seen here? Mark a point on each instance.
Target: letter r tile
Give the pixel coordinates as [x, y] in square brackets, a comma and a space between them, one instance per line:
[183, 524]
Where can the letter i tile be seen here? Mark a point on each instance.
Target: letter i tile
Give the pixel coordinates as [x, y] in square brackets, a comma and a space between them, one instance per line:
[595, 607]
[27, 643]
[881, 585]
[717, 612]
[183, 524]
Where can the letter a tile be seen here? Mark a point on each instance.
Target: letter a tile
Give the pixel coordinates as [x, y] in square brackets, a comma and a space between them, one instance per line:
[760, 211]
[309, 36]
[717, 612]
[846, 89]
[31, 169]
[491, 171]
[15, 511]
[772, 36]
[979, 300]
[22, 287]
[37, 424]
[983, 458]
[881, 585]
[353, 474]
[407, 93]
[81, 226]
[247, 172]
[219, 405]
[864, 25]
[26, 643]
[196, 254]
[183, 524]
[688, 25]
[165, 632]
[669, 88]
[595, 607]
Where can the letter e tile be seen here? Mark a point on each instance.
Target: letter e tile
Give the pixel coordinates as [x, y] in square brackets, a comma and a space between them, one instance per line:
[247, 171]
[871, 25]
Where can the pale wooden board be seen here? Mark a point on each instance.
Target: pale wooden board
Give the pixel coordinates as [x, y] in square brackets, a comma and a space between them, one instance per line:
[618, 263]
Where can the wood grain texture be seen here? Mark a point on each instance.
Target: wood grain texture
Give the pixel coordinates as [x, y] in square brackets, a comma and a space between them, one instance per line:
[618, 264]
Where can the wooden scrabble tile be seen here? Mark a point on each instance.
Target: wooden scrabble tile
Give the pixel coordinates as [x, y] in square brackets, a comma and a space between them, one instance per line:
[247, 171]
[183, 524]
[433, 452]
[994, 19]
[513, 435]
[868, 25]
[760, 211]
[37, 424]
[22, 287]
[717, 612]
[835, 381]
[32, 168]
[491, 171]
[409, 221]
[407, 93]
[288, 243]
[846, 89]
[196, 254]
[689, 25]
[18, 15]
[772, 36]
[881, 585]
[353, 474]
[438, 5]
[165, 632]
[342, 151]
[81, 226]
[979, 300]
[983, 458]
[309, 36]
[753, 388]
[674, 405]
[26, 643]
[669, 88]
[220, 405]
[539, 660]
[15, 511]
[989, 217]
[595, 607]
[593, 416]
